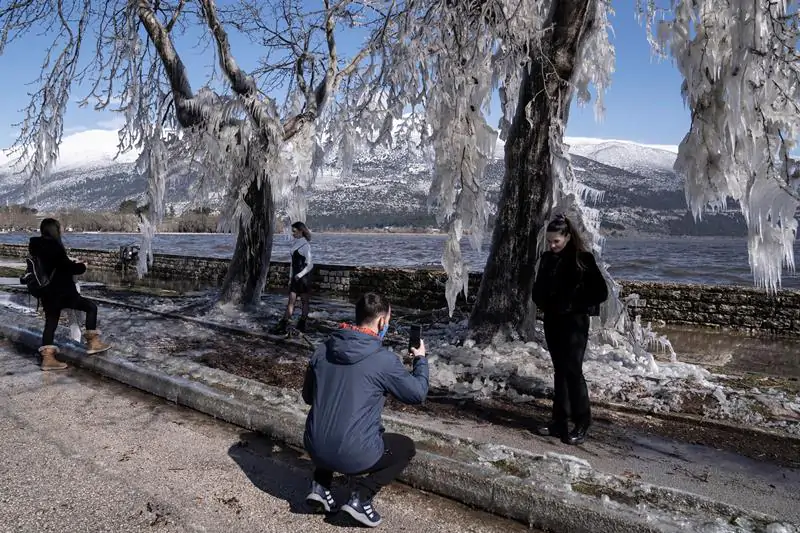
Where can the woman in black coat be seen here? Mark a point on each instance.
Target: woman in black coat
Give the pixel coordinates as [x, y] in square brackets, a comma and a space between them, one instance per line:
[61, 293]
[568, 289]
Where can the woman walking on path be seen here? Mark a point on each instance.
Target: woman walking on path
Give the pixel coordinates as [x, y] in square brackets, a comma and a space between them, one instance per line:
[568, 289]
[299, 278]
[61, 293]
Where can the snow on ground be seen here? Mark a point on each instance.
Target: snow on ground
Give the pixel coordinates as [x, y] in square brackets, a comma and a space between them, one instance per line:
[574, 477]
[516, 370]
[616, 374]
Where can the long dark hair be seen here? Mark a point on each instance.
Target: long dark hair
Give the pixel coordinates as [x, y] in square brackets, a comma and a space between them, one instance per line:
[51, 228]
[562, 225]
[302, 228]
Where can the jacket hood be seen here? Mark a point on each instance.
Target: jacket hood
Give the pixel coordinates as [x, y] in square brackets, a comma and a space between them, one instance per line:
[37, 245]
[349, 346]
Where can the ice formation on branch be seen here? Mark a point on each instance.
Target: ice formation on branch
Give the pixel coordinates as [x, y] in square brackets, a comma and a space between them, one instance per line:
[741, 70]
[445, 62]
[37, 146]
[225, 142]
[298, 167]
[226, 137]
[438, 76]
[463, 144]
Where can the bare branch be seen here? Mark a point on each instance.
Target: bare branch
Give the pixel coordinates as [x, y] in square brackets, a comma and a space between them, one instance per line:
[174, 67]
[241, 83]
[175, 16]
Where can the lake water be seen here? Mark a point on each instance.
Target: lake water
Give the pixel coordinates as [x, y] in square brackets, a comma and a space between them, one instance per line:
[712, 260]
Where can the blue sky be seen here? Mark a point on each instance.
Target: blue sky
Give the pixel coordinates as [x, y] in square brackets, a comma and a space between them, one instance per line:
[643, 104]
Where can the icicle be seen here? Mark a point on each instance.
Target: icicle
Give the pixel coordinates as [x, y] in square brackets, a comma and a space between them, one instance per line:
[739, 64]
[152, 163]
[453, 265]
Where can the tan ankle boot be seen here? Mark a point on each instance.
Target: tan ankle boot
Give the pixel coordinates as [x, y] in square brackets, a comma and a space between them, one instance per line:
[93, 343]
[49, 361]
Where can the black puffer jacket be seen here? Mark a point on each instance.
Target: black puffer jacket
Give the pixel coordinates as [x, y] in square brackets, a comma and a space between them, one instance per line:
[561, 287]
[54, 258]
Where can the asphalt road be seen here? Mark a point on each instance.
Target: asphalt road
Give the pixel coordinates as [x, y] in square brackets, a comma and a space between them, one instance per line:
[83, 454]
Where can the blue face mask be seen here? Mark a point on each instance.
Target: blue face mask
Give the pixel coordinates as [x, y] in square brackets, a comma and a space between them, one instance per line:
[382, 333]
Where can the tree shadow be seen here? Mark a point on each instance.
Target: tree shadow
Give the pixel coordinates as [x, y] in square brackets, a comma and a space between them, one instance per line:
[285, 473]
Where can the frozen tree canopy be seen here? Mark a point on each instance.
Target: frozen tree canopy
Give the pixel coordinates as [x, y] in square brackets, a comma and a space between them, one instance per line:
[425, 72]
[740, 62]
[741, 70]
[442, 66]
[230, 136]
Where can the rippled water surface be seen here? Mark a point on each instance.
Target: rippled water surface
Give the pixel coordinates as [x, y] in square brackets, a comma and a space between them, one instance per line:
[714, 260]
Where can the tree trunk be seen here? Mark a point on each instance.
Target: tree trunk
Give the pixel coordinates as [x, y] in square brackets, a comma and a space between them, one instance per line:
[249, 267]
[503, 303]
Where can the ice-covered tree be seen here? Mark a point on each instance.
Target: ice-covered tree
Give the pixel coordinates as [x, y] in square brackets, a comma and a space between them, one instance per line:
[229, 136]
[739, 60]
[741, 68]
[428, 74]
[446, 62]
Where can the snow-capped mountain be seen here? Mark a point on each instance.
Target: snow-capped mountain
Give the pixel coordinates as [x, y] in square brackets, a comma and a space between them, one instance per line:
[653, 161]
[385, 188]
[89, 174]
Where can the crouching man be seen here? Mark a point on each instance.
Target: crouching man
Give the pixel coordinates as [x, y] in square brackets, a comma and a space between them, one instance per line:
[346, 384]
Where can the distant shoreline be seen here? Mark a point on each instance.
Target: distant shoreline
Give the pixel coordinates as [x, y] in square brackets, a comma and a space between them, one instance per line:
[612, 235]
[336, 232]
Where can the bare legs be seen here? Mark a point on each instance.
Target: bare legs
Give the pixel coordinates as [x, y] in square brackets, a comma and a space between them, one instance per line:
[283, 324]
[293, 301]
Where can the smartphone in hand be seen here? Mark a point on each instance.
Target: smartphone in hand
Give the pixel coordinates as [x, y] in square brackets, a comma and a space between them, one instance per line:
[415, 337]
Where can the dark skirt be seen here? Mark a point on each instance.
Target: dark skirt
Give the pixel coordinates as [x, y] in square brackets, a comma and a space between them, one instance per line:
[300, 286]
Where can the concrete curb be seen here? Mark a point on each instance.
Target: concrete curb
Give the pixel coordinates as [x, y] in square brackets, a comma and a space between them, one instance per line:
[483, 487]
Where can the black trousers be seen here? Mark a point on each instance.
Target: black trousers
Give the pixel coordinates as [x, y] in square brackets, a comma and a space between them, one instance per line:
[52, 313]
[398, 452]
[566, 337]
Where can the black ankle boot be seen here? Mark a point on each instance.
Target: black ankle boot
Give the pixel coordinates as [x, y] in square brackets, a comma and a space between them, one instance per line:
[577, 435]
[281, 327]
[552, 429]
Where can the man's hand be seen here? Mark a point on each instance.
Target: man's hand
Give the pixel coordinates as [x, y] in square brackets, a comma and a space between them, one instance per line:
[419, 352]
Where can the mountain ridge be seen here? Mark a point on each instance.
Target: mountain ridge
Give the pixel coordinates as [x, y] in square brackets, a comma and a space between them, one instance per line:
[387, 187]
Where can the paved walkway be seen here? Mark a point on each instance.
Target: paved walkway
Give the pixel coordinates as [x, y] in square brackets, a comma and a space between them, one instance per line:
[613, 448]
[82, 454]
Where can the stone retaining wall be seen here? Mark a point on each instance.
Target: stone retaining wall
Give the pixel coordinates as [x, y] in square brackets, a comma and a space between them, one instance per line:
[725, 306]
[739, 308]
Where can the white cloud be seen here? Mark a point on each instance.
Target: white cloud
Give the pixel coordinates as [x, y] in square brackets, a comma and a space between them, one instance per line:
[74, 129]
[113, 123]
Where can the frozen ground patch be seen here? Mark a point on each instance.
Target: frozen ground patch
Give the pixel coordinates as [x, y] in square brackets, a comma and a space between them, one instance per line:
[615, 372]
